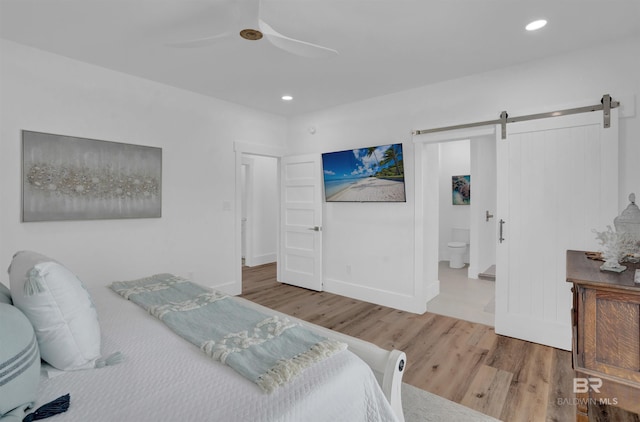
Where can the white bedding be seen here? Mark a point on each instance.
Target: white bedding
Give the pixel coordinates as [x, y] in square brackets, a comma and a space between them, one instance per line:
[165, 378]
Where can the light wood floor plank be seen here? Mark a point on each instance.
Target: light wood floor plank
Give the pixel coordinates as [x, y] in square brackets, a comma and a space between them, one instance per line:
[488, 391]
[529, 389]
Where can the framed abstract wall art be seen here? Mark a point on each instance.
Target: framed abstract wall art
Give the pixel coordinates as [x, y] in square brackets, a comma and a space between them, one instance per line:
[461, 190]
[70, 178]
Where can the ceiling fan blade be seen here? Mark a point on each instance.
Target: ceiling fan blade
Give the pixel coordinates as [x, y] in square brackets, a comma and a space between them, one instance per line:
[200, 42]
[300, 48]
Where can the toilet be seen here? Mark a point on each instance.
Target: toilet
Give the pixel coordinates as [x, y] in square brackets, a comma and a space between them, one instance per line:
[457, 248]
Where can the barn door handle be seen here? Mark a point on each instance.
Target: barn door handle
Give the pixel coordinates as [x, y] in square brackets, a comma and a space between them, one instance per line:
[501, 239]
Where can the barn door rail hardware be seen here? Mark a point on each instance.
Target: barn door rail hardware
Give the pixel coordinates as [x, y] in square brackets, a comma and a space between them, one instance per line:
[606, 104]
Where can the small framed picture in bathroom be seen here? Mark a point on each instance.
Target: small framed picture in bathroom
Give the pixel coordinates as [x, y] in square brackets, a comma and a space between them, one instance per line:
[461, 189]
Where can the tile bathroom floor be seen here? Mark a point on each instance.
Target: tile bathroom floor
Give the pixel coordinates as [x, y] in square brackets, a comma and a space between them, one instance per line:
[462, 297]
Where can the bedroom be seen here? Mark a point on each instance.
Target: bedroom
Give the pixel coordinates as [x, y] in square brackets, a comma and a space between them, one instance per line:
[45, 92]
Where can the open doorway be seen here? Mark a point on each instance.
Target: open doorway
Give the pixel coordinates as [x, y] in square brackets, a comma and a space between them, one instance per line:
[466, 245]
[256, 192]
[259, 208]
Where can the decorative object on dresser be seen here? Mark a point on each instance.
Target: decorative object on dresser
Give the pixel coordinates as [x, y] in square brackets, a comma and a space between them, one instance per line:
[606, 337]
[623, 243]
[628, 225]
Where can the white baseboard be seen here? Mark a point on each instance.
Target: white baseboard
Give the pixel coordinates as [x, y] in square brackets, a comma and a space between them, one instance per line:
[432, 290]
[473, 272]
[231, 287]
[388, 298]
[252, 261]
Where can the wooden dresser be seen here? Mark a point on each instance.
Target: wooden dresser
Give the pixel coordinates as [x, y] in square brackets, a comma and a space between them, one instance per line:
[606, 336]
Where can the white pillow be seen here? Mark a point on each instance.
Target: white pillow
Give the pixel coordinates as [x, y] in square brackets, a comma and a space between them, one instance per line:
[59, 308]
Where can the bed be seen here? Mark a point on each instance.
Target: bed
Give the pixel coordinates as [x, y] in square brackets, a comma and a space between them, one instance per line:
[164, 378]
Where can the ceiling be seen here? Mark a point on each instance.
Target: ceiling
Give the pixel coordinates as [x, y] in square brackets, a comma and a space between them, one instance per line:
[384, 46]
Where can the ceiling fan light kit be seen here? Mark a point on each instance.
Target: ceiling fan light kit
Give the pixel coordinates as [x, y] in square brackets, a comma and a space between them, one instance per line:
[251, 34]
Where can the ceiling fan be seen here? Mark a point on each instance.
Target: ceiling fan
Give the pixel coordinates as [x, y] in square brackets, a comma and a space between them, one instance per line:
[247, 23]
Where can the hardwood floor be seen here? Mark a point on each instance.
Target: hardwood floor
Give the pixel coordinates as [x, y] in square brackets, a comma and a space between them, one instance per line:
[509, 379]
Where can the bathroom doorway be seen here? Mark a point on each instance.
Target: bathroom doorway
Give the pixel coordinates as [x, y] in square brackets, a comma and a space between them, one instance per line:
[467, 229]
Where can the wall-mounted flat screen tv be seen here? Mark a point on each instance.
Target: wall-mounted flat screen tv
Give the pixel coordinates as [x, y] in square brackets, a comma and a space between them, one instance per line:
[373, 174]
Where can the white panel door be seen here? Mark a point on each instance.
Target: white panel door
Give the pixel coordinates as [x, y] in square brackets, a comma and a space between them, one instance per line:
[301, 221]
[557, 180]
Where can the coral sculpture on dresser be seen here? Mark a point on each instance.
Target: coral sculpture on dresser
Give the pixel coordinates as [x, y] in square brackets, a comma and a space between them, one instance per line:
[611, 249]
[623, 243]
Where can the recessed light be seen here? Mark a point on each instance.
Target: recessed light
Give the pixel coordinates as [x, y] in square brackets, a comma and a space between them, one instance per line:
[535, 25]
[287, 98]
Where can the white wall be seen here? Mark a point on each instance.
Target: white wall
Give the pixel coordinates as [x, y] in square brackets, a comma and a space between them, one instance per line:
[353, 231]
[483, 233]
[455, 160]
[49, 93]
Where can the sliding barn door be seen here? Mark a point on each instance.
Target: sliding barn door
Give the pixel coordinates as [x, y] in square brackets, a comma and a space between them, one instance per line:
[557, 180]
[301, 221]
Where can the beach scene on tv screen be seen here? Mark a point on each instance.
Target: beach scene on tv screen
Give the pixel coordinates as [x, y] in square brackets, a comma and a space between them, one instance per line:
[373, 174]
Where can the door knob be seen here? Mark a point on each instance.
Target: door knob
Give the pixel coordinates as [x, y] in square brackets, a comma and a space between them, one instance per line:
[488, 216]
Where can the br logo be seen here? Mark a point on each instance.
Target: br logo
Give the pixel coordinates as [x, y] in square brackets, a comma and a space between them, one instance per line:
[583, 385]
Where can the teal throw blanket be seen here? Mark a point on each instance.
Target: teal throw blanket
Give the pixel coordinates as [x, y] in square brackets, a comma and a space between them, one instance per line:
[267, 349]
